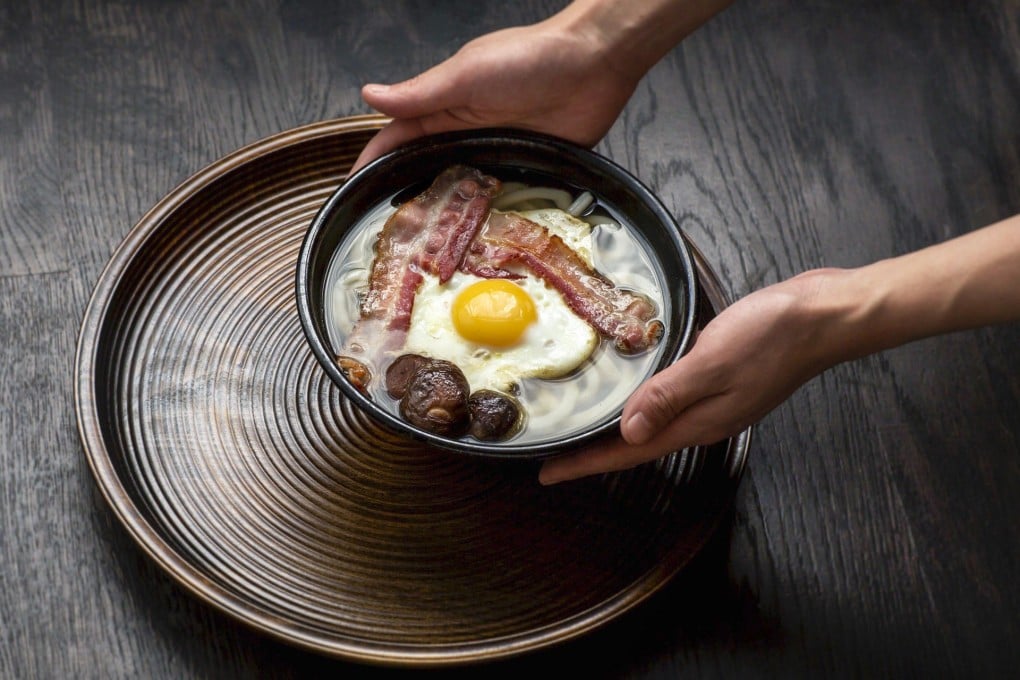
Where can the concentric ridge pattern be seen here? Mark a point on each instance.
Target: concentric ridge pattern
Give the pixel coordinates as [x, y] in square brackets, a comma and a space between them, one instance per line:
[235, 463]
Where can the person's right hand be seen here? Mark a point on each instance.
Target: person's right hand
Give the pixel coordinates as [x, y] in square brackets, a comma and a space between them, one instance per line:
[744, 363]
[760, 349]
[546, 77]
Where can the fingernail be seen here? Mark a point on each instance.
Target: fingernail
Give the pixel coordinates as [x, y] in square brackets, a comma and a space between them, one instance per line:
[637, 429]
[376, 88]
[545, 478]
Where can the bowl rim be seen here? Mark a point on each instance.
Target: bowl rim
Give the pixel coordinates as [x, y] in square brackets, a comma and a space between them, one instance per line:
[483, 137]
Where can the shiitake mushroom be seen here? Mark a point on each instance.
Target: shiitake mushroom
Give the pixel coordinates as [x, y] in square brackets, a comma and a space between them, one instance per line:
[494, 415]
[436, 397]
[400, 372]
[355, 371]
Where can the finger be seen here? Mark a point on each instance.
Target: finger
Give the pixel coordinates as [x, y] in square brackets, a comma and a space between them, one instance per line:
[662, 398]
[611, 456]
[398, 132]
[390, 137]
[703, 423]
[428, 92]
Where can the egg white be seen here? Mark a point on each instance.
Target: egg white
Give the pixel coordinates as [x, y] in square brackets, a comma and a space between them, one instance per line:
[554, 345]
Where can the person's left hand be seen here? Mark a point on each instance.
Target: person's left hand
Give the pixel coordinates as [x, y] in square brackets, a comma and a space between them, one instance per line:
[542, 77]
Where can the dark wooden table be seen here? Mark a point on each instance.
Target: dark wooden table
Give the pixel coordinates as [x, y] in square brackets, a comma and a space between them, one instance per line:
[875, 533]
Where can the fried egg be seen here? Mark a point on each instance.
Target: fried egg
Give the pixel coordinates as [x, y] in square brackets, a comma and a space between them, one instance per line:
[498, 331]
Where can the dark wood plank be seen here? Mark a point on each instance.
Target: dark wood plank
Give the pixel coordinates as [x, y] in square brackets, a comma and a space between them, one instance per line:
[875, 532]
[30, 221]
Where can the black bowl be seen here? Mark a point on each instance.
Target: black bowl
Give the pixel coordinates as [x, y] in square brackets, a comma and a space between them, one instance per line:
[508, 155]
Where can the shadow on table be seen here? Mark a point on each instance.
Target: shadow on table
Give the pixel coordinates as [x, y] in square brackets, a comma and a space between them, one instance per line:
[700, 611]
[700, 607]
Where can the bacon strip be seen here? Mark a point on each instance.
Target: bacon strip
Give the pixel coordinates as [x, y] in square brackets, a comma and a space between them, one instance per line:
[625, 316]
[428, 234]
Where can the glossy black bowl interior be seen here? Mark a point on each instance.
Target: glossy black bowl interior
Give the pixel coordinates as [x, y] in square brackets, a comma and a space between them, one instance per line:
[508, 155]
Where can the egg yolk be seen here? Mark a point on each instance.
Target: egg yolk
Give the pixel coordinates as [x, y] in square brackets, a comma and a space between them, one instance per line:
[493, 312]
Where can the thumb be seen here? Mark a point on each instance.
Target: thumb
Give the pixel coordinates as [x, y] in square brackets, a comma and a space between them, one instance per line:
[426, 93]
[393, 135]
[660, 400]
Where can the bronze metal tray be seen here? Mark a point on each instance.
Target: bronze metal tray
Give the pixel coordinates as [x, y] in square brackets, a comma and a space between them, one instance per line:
[242, 471]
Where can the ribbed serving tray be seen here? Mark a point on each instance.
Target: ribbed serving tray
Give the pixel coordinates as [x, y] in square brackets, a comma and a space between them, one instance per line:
[243, 472]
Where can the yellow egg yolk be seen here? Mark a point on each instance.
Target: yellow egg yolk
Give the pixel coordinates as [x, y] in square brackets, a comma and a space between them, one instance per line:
[493, 312]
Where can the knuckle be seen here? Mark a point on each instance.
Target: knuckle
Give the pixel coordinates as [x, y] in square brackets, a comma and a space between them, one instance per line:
[660, 401]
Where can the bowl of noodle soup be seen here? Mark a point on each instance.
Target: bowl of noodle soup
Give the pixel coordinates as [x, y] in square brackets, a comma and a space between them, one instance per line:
[610, 247]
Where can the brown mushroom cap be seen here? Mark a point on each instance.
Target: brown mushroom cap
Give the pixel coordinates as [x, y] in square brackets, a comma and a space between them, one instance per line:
[400, 372]
[494, 415]
[436, 398]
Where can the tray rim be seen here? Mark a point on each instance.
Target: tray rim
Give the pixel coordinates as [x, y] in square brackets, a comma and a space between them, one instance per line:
[183, 572]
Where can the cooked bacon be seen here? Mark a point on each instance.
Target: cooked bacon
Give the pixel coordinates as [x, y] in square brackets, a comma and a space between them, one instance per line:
[626, 317]
[428, 234]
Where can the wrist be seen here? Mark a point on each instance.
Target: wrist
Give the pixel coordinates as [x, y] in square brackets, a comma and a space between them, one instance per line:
[633, 37]
[846, 312]
[885, 304]
[967, 282]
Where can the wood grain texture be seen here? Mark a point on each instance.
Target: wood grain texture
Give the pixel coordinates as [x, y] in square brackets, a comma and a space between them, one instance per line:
[875, 530]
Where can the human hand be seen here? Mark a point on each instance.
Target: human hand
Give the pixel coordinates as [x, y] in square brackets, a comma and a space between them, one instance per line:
[758, 351]
[744, 363]
[568, 76]
[542, 77]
